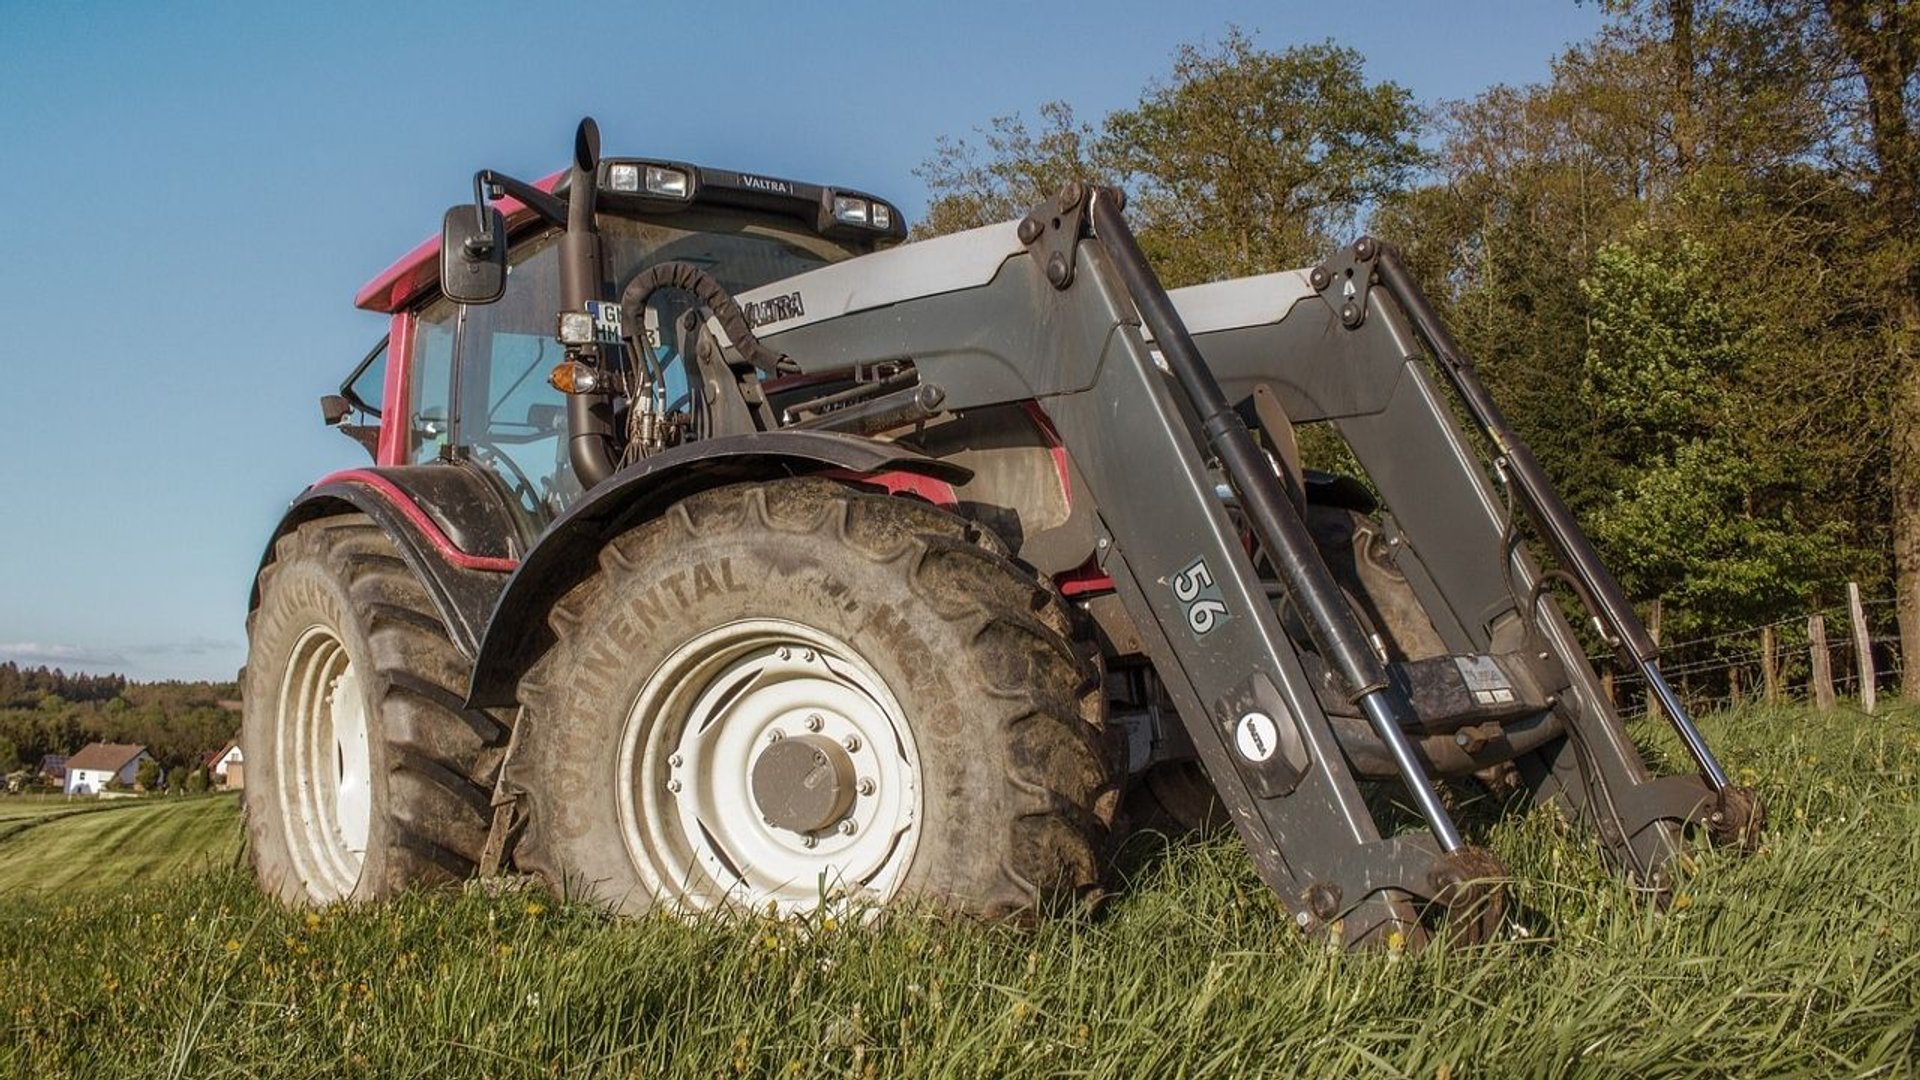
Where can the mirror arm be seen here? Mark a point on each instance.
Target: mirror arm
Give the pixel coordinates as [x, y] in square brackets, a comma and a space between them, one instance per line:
[486, 181]
[480, 244]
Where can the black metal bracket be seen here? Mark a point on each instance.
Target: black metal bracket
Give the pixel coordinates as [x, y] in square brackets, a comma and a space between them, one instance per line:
[1345, 280]
[1053, 230]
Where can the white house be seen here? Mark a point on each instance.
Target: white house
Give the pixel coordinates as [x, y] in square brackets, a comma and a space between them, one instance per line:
[226, 767]
[98, 764]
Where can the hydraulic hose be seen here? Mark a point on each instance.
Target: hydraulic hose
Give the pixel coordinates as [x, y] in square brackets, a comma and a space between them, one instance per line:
[688, 277]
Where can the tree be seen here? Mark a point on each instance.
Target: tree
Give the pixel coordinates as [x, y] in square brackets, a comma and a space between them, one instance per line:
[9, 756]
[1697, 521]
[197, 781]
[147, 776]
[177, 779]
[1661, 353]
[1880, 39]
[1246, 161]
[1018, 170]
[1242, 161]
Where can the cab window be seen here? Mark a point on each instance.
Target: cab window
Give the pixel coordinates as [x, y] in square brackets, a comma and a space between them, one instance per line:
[430, 386]
[366, 388]
[511, 420]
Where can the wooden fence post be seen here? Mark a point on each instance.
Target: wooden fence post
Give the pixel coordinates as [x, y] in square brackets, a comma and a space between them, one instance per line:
[1822, 663]
[1862, 647]
[1769, 665]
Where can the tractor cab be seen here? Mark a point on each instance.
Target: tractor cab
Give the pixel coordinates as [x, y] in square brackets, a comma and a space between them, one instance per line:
[473, 368]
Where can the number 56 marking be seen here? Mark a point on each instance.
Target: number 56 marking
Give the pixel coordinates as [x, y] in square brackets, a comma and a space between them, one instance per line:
[1194, 587]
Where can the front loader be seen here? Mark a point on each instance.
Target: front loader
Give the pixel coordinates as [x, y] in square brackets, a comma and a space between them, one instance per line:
[720, 550]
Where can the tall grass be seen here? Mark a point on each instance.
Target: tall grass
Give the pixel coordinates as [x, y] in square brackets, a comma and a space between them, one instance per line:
[1803, 959]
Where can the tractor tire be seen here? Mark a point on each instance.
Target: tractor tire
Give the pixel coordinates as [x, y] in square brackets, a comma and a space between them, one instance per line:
[782, 695]
[366, 774]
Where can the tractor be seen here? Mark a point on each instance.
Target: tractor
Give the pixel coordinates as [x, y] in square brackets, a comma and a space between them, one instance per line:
[720, 549]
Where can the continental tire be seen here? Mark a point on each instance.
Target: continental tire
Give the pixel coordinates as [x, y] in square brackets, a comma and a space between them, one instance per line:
[365, 775]
[783, 693]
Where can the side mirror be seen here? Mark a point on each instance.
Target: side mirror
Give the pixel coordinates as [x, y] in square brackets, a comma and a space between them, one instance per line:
[473, 254]
[335, 409]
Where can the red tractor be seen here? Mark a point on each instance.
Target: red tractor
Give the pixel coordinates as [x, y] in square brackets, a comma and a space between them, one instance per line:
[720, 549]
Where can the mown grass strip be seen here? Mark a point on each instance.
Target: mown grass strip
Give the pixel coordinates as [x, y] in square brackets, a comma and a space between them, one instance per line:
[115, 842]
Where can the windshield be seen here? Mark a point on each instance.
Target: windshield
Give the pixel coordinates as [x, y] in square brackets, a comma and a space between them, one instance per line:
[510, 416]
[741, 250]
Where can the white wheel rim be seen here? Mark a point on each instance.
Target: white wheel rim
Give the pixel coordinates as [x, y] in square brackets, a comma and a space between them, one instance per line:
[325, 783]
[688, 812]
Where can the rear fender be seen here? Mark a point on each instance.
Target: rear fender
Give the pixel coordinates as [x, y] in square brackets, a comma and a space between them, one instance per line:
[517, 632]
[449, 521]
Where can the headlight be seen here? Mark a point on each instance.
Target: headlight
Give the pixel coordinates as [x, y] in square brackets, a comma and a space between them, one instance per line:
[664, 181]
[576, 328]
[623, 178]
[882, 216]
[850, 210]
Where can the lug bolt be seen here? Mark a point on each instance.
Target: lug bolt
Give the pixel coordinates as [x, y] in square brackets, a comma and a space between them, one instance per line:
[809, 841]
[784, 653]
[852, 743]
[814, 722]
[1318, 277]
[676, 761]
[847, 827]
[673, 786]
[776, 735]
[807, 655]
[867, 786]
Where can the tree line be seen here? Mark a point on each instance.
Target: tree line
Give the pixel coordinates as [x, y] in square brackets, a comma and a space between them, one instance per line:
[1688, 263]
[47, 711]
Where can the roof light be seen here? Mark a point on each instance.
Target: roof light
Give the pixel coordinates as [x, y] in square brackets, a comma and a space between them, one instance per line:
[882, 216]
[850, 210]
[664, 181]
[623, 177]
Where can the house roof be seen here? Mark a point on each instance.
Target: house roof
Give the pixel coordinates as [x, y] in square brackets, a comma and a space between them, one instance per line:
[54, 764]
[105, 756]
[214, 758]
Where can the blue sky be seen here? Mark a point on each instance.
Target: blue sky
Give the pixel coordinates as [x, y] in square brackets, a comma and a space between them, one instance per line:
[195, 191]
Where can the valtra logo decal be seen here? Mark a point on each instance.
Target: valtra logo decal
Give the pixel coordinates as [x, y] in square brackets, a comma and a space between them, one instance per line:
[763, 183]
[775, 309]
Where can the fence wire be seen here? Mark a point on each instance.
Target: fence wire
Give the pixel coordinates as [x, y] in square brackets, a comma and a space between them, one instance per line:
[1728, 667]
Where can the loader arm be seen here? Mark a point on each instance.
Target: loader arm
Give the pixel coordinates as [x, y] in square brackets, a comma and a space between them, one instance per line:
[1451, 512]
[1149, 393]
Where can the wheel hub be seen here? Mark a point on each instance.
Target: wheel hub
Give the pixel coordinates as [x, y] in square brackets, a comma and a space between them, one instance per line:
[804, 784]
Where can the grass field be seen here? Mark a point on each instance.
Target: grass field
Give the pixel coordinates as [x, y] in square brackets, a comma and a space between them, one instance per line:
[55, 844]
[1801, 960]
